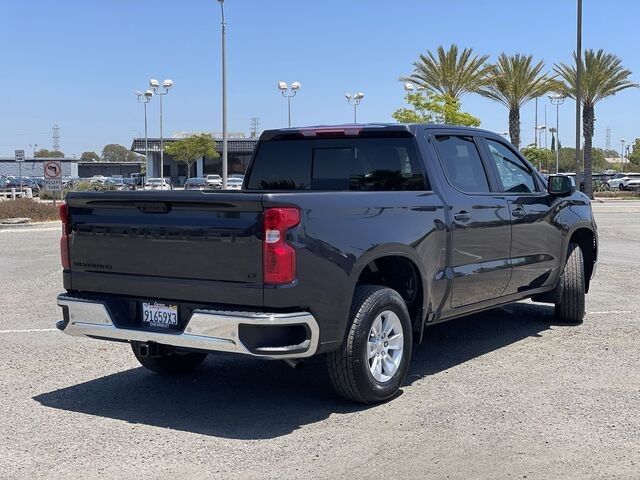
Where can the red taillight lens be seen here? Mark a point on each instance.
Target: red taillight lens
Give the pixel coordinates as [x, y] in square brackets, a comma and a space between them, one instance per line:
[64, 239]
[279, 258]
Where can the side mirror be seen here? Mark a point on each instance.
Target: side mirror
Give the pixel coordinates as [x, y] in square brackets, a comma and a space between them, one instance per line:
[560, 185]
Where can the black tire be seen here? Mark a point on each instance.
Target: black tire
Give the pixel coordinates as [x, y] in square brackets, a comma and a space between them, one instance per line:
[570, 309]
[621, 187]
[174, 363]
[349, 365]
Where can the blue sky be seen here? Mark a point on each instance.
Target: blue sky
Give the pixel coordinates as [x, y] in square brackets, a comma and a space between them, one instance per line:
[77, 63]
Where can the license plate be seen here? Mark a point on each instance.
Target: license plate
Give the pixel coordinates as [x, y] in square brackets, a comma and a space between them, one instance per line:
[160, 314]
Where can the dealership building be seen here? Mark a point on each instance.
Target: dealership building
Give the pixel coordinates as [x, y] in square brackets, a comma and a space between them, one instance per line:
[239, 153]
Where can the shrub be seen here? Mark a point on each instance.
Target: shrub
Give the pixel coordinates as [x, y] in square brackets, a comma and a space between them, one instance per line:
[29, 208]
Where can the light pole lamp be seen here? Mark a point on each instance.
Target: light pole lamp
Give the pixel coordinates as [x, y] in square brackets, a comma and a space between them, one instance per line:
[289, 92]
[161, 91]
[354, 100]
[622, 142]
[144, 98]
[557, 99]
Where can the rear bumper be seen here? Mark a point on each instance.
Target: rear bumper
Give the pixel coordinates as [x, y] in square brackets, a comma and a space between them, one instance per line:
[206, 330]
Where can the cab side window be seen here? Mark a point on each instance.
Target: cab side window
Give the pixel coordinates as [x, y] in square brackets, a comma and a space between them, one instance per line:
[462, 163]
[515, 175]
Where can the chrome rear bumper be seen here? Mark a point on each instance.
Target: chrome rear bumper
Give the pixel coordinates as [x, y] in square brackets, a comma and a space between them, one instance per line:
[209, 330]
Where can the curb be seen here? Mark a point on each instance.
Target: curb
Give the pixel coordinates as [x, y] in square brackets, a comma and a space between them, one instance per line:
[19, 226]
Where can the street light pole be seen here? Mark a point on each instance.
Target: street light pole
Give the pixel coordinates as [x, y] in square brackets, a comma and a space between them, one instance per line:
[354, 100]
[224, 98]
[145, 98]
[557, 99]
[578, 88]
[622, 142]
[289, 92]
[166, 85]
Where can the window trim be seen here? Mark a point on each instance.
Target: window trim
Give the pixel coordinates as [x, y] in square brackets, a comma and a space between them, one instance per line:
[488, 171]
[541, 189]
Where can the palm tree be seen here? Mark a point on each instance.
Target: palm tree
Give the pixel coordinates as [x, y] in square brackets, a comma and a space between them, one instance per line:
[602, 76]
[450, 74]
[516, 80]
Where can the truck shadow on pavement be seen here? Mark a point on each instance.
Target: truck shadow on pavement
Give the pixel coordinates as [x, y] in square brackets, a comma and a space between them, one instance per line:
[245, 398]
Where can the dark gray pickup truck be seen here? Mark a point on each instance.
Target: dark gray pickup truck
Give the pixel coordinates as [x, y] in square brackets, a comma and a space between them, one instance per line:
[345, 241]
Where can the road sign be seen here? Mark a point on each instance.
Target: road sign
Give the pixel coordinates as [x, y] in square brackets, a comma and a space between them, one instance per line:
[19, 155]
[53, 184]
[53, 170]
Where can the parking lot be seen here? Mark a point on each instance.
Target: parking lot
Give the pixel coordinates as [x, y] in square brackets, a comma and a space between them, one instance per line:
[503, 394]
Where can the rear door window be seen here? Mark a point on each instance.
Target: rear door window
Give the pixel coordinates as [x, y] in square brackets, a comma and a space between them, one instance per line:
[462, 163]
[357, 164]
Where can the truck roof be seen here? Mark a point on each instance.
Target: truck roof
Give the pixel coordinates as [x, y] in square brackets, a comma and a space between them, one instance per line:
[352, 129]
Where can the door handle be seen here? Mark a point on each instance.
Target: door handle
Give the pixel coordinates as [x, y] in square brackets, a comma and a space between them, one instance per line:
[518, 212]
[462, 216]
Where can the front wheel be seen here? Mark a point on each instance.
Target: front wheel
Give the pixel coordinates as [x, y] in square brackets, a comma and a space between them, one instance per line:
[621, 187]
[170, 362]
[373, 361]
[570, 308]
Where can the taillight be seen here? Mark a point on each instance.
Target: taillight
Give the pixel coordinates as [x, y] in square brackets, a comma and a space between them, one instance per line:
[64, 239]
[279, 258]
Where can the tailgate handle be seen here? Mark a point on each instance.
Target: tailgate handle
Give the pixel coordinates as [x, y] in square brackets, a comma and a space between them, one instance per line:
[152, 207]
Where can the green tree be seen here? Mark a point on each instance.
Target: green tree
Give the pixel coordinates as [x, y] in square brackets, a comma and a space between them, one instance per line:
[449, 72]
[634, 156]
[117, 153]
[543, 159]
[189, 149]
[602, 76]
[44, 153]
[434, 108]
[514, 81]
[89, 157]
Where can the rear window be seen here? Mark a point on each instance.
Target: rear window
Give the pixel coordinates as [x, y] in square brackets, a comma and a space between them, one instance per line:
[358, 164]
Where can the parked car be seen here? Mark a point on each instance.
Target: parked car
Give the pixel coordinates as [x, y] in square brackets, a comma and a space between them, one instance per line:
[346, 241]
[620, 180]
[23, 183]
[197, 184]
[633, 184]
[157, 184]
[138, 178]
[128, 184]
[215, 181]
[234, 183]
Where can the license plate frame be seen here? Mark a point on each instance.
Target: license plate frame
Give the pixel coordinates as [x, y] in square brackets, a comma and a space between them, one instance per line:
[160, 315]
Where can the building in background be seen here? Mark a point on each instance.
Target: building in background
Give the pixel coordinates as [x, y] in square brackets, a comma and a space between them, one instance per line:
[240, 150]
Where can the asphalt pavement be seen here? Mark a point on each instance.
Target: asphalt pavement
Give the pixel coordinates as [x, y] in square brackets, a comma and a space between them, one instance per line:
[503, 394]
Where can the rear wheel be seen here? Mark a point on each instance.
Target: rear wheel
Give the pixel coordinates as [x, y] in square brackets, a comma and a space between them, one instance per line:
[570, 308]
[373, 361]
[621, 187]
[169, 362]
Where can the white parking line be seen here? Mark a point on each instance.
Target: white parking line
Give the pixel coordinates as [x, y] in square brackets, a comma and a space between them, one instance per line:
[30, 330]
[611, 312]
[30, 230]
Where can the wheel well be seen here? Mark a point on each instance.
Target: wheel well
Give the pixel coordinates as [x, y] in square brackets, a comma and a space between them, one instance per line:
[584, 238]
[400, 274]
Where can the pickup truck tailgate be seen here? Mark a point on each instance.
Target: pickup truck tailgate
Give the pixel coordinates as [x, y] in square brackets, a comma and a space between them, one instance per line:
[168, 245]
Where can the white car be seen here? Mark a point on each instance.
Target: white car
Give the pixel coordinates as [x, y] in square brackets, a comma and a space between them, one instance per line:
[157, 184]
[234, 183]
[214, 181]
[633, 184]
[620, 181]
